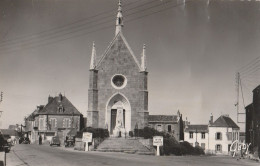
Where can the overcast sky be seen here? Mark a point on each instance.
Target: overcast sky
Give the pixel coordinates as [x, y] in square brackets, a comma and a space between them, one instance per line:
[193, 52]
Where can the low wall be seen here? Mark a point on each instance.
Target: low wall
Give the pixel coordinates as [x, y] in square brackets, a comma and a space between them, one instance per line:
[2, 158]
[148, 143]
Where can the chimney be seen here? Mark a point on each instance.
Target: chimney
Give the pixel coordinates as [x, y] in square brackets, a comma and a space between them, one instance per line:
[60, 97]
[211, 119]
[50, 99]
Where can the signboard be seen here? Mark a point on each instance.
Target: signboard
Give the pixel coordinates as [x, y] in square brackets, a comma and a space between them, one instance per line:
[157, 141]
[87, 137]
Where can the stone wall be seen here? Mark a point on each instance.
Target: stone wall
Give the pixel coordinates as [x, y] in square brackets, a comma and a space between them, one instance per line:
[118, 60]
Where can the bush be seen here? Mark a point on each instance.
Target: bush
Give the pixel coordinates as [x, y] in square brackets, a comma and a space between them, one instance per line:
[148, 132]
[131, 134]
[170, 144]
[190, 150]
[97, 132]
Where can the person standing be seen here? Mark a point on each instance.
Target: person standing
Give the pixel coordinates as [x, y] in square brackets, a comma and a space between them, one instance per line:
[40, 140]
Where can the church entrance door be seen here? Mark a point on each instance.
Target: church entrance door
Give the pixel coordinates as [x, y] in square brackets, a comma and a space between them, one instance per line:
[118, 115]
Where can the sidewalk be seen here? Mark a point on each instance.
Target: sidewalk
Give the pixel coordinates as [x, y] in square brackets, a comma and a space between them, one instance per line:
[12, 159]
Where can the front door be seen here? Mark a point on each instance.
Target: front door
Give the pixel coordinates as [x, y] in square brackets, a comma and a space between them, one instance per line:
[113, 120]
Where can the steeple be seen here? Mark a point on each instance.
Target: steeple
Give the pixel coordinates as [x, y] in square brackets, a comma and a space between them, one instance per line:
[119, 19]
[143, 59]
[93, 57]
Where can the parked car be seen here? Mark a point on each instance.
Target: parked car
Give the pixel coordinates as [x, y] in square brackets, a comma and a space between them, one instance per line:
[55, 141]
[7, 143]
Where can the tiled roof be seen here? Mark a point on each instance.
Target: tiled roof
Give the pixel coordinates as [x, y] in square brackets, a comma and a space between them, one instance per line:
[163, 118]
[35, 112]
[225, 121]
[9, 132]
[257, 88]
[119, 39]
[59, 102]
[197, 128]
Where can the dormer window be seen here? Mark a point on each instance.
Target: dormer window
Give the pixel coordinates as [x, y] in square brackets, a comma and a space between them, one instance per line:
[60, 109]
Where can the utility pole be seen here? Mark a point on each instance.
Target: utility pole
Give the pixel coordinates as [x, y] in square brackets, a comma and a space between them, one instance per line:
[237, 90]
[1, 99]
[239, 85]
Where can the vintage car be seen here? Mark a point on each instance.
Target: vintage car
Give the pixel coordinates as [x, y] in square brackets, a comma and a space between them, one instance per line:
[70, 141]
[6, 143]
[55, 141]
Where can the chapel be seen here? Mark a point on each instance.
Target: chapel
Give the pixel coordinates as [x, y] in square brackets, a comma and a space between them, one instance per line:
[118, 94]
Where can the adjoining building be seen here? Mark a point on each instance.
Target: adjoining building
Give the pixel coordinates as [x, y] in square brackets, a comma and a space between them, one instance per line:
[172, 124]
[215, 137]
[253, 122]
[57, 117]
[197, 135]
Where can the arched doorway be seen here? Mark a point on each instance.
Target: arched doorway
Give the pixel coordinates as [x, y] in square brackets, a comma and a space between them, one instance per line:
[118, 110]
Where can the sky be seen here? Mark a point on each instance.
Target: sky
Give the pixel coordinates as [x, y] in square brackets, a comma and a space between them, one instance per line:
[194, 49]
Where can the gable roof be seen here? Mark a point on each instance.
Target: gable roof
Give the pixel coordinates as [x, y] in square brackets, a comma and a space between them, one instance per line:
[224, 121]
[197, 128]
[163, 118]
[119, 37]
[59, 101]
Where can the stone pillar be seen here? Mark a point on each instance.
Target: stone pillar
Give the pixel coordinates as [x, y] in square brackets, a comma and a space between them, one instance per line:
[143, 112]
[92, 113]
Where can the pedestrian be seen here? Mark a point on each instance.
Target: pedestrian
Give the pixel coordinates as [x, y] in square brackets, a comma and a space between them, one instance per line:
[40, 140]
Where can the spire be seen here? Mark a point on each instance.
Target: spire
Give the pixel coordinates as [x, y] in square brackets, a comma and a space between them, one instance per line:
[143, 59]
[93, 57]
[119, 19]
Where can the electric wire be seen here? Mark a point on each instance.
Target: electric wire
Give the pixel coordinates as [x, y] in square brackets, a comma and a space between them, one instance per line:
[106, 27]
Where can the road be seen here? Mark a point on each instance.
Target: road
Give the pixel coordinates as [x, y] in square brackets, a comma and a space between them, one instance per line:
[35, 155]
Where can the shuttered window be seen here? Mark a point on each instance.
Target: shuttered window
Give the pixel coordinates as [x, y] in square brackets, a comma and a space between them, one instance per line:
[218, 136]
[41, 124]
[203, 146]
[202, 135]
[66, 122]
[191, 135]
[218, 148]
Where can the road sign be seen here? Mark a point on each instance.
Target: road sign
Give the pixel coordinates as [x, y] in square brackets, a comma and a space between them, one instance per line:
[87, 137]
[157, 141]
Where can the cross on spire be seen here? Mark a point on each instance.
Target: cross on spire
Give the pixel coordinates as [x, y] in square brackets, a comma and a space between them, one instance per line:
[119, 18]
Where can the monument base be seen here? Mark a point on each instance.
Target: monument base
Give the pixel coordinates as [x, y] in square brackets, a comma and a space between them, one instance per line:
[119, 132]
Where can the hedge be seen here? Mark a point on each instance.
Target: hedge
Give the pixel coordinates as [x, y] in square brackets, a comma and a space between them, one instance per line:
[97, 132]
[170, 144]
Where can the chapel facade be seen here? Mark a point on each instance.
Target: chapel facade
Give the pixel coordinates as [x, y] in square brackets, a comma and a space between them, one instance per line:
[118, 94]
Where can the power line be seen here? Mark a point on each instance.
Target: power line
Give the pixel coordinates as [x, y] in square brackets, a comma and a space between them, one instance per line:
[250, 66]
[252, 72]
[74, 25]
[66, 25]
[248, 63]
[176, 5]
[83, 28]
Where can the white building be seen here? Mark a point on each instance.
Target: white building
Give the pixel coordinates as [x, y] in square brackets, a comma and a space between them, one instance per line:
[197, 135]
[221, 135]
[214, 138]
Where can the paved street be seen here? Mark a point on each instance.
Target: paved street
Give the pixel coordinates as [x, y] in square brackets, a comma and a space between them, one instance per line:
[54, 156]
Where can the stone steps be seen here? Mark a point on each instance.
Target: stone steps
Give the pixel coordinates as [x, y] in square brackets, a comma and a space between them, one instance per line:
[128, 145]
